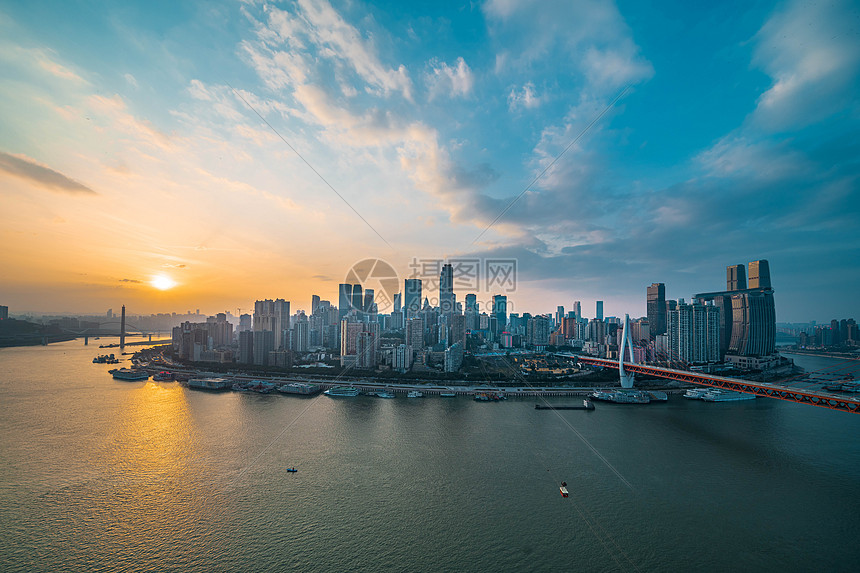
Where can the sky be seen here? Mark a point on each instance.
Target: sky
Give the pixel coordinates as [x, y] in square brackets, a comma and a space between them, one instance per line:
[181, 155]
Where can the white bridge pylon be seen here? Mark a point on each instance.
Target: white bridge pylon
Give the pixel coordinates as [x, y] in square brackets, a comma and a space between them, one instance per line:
[626, 342]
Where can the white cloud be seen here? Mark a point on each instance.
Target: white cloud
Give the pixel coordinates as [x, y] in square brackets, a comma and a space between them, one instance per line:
[447, 80]
[329, 30]
[523, 98]
[738, 156]
[811, 52]
[588, 35]
[131, 80]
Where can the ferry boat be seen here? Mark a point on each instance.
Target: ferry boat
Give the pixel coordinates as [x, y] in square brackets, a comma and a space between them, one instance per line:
[563, 489]
[384, 394]
[211, 384]
[717, 395]
[129, 374]
[292, 470]
[105, 359]
[415, 394]
[299, 388]
[342, 392]
[448, 394]
[696, 393]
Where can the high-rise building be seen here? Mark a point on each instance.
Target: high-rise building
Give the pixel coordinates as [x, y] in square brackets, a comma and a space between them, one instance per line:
[577, 309]
[344, 292]
[599, 309]
[537, 330]
[415, 333]
[398, 301]
[264, 342]
[368, 300]
[357, 300]
[759, 274]
[273, 316]
[453, 358]
[446, 289]
[656, 309]
[559, 315]
[748, 315]
[693, 333]
[753, 324]
[411, 297]
[301, 335]
[246, 347]
[736, 278]
[472, 303]
[458, 330]
[500, 311]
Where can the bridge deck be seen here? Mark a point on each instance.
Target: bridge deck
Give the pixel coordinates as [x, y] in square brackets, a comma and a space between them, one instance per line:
[802, 396]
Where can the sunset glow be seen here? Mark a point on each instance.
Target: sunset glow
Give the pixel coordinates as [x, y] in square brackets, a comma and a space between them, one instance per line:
[258, 150]
[163, 282]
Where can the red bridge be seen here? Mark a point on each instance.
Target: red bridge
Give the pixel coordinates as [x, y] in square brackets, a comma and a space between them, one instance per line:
[803, 396]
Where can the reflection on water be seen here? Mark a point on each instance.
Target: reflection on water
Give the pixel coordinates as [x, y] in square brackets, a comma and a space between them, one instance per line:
[102, 475]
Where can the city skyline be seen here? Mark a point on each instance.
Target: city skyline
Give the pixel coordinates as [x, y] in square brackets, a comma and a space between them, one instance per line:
[149, 156]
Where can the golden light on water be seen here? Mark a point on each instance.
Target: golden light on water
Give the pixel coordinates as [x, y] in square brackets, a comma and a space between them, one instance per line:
[162, 282]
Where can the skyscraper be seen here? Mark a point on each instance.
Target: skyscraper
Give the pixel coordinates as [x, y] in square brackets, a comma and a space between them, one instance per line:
[599, 310]
[368, 300]
[656, 309]
[748, 315]
[759, 274]
[736, 278]
[500, 311]
[273, 316]
[471, 303]
[357, 298]
[446, 289]
[577, 309]
[411, 297]
[344, 292]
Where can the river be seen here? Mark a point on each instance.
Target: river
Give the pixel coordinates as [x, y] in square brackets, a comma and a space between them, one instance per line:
[102, 475]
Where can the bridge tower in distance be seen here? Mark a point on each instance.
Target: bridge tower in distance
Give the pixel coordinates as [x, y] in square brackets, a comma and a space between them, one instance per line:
[626, 343]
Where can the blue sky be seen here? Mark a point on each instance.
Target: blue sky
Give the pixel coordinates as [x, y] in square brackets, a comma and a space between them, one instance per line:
[735, 139]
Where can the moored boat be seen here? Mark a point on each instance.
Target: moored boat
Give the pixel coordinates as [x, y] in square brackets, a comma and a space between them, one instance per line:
[717, 395]
[384, 394]
[415, 394]
[130, 374]
[342, 392]
[210, 384]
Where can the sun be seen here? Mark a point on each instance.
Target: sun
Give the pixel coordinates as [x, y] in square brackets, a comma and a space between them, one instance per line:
[162, 282]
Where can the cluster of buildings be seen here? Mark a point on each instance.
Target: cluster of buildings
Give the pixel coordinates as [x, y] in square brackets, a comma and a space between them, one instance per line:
[837, 334]
[736, 325]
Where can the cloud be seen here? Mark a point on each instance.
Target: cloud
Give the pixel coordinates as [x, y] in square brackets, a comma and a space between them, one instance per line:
[588, 36]
[452, 81]
[316, 24]
[523, 98]
[26, 168]
[131, 80]
[810, 51]
[129, 281]
[322, 278]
